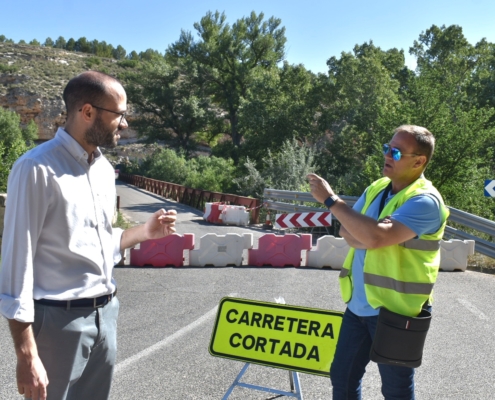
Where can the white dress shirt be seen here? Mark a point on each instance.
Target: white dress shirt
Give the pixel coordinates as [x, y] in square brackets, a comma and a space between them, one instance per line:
[58, 240]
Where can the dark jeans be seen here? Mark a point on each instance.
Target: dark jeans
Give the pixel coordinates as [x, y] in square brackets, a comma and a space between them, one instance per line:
[353, 354]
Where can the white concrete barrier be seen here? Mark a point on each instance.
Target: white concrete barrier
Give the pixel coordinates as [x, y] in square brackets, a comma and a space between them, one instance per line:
[454, 254]
[220, 250]
[212, 212]
[235, 215]
[330, 251]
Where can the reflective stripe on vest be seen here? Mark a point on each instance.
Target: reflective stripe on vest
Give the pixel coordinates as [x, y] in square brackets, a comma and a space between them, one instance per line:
[421, 244]
[343, 273]
[398, 286]
[414, 244]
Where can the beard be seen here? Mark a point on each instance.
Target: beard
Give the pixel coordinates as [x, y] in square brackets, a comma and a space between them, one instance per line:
[100, 135]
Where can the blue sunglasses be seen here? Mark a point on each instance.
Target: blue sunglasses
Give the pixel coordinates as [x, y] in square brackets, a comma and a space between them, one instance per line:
[396, 153]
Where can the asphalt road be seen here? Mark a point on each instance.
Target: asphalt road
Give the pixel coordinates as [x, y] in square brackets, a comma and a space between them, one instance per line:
[167, 316]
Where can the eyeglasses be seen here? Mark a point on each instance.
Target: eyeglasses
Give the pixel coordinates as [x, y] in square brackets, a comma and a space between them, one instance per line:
[122, 115]
[396, 153]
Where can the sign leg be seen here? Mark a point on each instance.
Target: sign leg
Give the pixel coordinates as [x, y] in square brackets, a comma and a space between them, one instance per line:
[294, 385]
[236, 381]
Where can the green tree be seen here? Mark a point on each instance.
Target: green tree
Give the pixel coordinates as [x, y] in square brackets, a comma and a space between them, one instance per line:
[442, 101]
[14, 141]
[483, 83]
[34, 42]
[360, 105]
[277, 107]
[22, 41]
[150, 55]
[2, 38]
[119, 53]
[60, 43]
[363, 88]
[133, 55]
[226, 56]
[83, 45]
[441, 46]
[70, 45]
[102, 49]
[171, 102]
[48, 42]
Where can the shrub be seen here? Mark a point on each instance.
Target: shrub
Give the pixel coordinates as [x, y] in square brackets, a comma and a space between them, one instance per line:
[207, 173]
[92, 61]
[285, 170]
[10, 69]
[12, 142]
[211, 173]
[128, 63]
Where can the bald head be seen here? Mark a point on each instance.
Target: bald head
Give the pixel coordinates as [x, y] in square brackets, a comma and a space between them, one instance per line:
[89, 87]
[424, 139]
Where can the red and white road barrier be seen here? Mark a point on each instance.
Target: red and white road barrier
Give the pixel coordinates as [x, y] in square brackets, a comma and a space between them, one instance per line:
[303, 220]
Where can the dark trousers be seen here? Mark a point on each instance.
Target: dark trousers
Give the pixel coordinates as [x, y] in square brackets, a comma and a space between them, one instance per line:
[353, 355]
[77, 348]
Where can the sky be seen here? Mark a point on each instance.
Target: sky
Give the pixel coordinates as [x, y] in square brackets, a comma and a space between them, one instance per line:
[315, 29]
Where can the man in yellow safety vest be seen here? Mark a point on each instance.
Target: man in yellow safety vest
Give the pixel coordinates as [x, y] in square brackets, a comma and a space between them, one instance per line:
[394, 232]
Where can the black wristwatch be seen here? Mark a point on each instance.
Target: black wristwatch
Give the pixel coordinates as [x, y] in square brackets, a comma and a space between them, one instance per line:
[331, 201]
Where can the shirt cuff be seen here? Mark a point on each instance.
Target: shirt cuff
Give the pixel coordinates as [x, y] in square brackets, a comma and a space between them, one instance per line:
[12, 308]
[117, 236]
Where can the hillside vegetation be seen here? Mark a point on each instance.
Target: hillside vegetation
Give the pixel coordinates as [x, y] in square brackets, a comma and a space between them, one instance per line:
[267, 122]
[45, 71]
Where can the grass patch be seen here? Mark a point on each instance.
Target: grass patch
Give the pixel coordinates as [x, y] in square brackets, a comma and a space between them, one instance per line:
[122, 221]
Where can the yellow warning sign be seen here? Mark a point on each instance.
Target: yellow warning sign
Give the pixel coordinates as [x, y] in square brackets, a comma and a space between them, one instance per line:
[278, 335]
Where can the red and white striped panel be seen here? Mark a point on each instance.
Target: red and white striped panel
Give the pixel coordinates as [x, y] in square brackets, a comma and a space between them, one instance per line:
[303, 220]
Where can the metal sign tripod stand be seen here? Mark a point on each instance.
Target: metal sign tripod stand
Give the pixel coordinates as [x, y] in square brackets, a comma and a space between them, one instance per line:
[295, 385]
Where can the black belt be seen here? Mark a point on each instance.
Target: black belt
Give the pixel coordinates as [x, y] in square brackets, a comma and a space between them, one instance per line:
[92, 303]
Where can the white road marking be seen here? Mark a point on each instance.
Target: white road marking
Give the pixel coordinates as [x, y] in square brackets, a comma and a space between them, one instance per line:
[473, 309]
[167, 341]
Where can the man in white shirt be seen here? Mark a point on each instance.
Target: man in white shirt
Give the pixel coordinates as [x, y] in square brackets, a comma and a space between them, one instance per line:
[59, 249]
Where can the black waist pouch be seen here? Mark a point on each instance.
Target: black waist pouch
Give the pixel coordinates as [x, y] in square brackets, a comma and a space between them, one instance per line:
[399, 340]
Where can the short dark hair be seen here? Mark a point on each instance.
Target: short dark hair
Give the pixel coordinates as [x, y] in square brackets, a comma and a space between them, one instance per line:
[88, 87]
[424, 139]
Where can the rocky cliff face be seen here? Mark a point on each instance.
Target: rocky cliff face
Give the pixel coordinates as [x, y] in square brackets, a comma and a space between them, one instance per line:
[33, 79]
[47, 113]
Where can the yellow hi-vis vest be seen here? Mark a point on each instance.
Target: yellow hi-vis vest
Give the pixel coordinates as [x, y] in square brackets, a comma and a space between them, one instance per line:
[399, 277]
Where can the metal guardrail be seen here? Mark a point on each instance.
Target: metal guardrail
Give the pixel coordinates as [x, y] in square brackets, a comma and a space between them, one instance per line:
[458, 216]
[302, 197]
[196, 198]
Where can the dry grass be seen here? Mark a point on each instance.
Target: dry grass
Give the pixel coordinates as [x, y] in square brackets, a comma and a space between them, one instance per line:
[479, 262]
